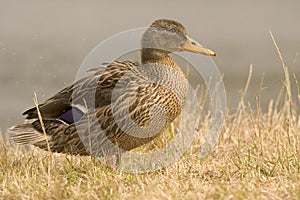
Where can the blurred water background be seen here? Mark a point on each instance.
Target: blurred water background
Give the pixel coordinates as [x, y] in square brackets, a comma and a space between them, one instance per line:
[43, 43]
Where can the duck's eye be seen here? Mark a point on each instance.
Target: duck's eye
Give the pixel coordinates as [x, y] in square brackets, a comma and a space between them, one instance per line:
[173, 30]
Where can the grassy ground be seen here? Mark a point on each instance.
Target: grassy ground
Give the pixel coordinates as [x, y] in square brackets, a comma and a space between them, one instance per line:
[258, 157]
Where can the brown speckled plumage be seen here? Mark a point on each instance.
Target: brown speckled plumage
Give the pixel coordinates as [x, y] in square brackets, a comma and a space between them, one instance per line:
[127, 104]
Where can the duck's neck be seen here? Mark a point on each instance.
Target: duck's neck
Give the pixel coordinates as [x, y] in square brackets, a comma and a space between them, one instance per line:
[157, 56]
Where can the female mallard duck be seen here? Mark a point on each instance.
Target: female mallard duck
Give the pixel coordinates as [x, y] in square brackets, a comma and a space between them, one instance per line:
[120, 106]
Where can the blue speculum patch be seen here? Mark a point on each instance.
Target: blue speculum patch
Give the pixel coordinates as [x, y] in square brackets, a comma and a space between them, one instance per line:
[71, 115]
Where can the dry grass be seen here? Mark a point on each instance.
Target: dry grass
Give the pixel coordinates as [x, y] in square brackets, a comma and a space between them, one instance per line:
[257, 158]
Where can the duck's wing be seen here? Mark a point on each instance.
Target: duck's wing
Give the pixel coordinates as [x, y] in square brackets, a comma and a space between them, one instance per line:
[67, 111]
[93, 91]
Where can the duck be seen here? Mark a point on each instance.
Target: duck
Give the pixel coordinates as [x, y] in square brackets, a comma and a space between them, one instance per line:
[121, 105]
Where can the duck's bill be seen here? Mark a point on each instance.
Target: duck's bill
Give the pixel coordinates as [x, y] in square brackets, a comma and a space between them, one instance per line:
[193, 46]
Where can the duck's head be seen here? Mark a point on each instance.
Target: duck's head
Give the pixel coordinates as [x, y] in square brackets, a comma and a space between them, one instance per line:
[165, 36]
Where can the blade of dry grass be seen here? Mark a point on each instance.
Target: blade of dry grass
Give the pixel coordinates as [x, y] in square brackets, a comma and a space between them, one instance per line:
[35, 101]
[287, 84]
[298, 88]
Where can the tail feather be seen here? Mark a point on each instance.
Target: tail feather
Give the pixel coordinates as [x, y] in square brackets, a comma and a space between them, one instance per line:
[27, 134]
[60, 137]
